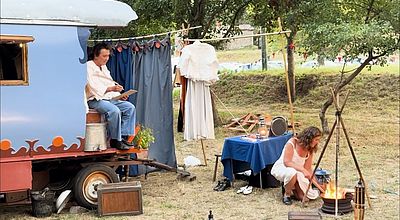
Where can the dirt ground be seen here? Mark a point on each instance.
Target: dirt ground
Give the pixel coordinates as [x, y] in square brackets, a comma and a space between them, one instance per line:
[373, 128]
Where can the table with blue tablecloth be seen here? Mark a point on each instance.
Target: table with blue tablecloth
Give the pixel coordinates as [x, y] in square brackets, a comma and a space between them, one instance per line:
[258, 153]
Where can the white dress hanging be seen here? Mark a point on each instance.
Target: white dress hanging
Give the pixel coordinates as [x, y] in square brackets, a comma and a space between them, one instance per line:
[199, 65]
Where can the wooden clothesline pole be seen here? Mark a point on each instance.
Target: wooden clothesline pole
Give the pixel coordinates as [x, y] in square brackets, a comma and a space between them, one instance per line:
[146, 36]
[238, 37]
[287, 82]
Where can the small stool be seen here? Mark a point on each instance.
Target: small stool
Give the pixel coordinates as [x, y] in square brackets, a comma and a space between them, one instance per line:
[94, 116]
[216, 166]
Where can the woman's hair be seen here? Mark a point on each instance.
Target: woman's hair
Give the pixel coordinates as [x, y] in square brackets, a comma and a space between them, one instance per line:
[307, 135]
[97, 48]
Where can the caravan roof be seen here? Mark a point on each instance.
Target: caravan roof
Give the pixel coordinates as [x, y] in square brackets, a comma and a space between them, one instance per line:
[106, 13]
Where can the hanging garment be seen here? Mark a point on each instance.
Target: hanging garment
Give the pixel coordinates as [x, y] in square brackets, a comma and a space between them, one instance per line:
[199, 65]
[181, 114]
[199, 62]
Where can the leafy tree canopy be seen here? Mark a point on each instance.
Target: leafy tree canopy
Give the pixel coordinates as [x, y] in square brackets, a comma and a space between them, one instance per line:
[157, 16]
[353, 28]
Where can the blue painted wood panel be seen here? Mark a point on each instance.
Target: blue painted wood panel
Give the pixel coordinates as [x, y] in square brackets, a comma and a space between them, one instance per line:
[53, 103]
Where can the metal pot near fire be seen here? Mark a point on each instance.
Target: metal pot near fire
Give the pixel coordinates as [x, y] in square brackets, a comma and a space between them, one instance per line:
[344, 199]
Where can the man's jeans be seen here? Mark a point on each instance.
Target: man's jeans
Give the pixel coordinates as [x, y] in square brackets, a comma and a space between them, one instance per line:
[120, 116]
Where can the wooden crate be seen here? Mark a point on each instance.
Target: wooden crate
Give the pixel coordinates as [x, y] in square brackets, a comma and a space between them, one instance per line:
[296, 215]
[120, 199]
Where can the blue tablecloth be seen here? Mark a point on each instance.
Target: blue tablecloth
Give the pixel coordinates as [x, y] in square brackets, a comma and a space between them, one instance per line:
[258, 153]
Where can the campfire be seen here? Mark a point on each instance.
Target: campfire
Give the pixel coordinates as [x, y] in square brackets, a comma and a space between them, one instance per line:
[330, 192]
[329, 198]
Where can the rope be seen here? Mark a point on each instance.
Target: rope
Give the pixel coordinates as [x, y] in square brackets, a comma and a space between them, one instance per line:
[237, 37]
[146, 36]
[228, 110]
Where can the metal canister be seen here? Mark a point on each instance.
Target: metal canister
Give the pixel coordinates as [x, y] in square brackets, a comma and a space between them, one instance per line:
[96, 137]
[359, 201]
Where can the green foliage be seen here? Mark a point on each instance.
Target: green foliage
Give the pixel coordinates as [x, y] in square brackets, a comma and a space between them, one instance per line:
[157, 16]
[353, 28]
[154, 16]
[207, 14]
[144, 137]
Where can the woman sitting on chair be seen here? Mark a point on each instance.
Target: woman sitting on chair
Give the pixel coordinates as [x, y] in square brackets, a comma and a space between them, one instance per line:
[293, 168]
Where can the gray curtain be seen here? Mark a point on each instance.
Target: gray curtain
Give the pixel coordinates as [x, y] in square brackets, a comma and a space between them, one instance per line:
[151, 76]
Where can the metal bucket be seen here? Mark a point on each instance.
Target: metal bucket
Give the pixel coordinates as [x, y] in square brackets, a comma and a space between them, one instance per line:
[42, 203]
[96, 137]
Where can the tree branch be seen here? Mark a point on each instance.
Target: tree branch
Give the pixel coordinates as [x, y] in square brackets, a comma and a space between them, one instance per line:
[371, 3]
[235, 17]
[340, 85]
[380, 55]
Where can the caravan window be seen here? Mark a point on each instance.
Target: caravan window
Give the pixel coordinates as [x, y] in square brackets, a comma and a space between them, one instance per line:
[13, 59]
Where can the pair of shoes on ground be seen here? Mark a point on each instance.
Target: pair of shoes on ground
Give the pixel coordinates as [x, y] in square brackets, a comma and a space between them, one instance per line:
[120, 145]
[246, 190]
[222, 185]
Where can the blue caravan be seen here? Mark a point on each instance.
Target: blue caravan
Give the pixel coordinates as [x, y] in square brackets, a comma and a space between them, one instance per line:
[43, 114]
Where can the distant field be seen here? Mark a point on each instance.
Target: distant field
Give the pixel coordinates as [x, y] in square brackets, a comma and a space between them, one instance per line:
[253, 54]
[246, 55]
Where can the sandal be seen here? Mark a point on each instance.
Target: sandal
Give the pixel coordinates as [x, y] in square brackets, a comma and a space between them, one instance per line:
[287, 200]
[241, 189]
[248, 190]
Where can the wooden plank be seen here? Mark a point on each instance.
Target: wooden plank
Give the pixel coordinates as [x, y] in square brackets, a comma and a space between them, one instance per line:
[251, 127]
[237, 129]
[16, 38]
[309, 215]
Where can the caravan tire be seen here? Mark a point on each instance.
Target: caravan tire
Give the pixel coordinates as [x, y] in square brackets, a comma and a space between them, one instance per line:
[87, 180]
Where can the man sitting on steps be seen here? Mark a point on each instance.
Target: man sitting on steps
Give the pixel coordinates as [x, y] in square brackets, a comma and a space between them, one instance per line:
[100, 89]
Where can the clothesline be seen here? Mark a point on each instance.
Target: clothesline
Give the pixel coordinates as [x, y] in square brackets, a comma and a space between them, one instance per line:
[237, 37]
[145, 36]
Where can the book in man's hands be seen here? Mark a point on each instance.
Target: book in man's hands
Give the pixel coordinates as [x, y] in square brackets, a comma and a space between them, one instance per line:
[127, 93]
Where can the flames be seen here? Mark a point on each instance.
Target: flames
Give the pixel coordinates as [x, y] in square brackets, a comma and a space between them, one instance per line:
[330, 192]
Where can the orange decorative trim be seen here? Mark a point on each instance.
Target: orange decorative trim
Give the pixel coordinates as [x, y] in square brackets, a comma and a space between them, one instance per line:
[58, 141]
[5, 144]
[56, 149]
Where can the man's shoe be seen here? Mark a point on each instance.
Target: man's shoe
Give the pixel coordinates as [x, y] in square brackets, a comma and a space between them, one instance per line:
[125, 139]
[287, 200]
[119, 145]
[114, 143]
[124, 146]
[130, 144]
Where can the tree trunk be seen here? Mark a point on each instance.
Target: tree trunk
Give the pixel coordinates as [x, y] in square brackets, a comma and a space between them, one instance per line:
[290, 63]
[337, 89]
[197, 17]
